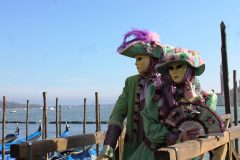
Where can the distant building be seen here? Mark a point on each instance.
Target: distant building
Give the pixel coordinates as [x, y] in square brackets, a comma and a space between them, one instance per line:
[220, 95]
[221, 101]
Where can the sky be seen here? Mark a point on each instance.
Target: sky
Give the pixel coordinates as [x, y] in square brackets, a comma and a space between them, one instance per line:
[67, 48]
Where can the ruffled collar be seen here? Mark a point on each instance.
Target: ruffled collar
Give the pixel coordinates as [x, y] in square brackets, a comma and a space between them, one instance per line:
[144, 81]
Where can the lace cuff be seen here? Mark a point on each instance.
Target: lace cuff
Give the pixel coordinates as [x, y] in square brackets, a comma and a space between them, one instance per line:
[172, 138]
[107, 151]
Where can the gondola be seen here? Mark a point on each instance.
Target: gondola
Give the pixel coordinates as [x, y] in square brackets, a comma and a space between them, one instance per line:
[57, 155]
[66, 133]
[89, 153]
[31, 138]
[77, 153]
[12, 136]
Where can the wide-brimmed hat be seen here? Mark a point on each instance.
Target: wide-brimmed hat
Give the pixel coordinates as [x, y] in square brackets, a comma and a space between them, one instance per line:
[142, 43]
[173, 54]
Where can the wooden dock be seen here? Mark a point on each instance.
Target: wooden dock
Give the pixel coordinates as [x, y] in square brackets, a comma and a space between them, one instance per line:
[220, 147]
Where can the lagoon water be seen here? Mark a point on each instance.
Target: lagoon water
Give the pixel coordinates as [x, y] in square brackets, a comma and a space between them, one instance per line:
[73, 114]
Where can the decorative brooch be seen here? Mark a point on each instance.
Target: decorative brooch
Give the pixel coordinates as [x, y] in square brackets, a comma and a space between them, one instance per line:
[148, 48]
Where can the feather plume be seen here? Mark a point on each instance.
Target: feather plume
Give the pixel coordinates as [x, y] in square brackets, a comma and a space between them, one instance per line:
[139, 35]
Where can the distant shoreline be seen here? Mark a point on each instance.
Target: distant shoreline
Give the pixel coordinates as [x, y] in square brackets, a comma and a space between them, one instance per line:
[63, 122]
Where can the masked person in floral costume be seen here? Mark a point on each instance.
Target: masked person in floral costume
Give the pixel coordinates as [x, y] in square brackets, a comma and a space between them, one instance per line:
[175, 85]
[144, 46]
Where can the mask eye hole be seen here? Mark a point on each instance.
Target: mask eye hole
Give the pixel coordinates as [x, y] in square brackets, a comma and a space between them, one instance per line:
[139, 58]
[179, 66]
[170, 67]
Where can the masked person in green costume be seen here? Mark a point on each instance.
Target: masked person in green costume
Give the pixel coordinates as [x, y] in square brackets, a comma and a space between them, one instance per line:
[145, 47]
[175, 85]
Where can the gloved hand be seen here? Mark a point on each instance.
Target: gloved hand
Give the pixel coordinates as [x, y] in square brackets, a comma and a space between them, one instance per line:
[190, 134]
[189, 92]
[107, 153]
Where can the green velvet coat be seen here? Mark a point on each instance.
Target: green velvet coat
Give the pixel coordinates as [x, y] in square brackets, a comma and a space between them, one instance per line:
[154, 130]
[124, 108]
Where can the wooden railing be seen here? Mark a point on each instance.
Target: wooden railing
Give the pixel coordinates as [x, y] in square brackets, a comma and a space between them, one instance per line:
[39, 148]
[220, 147]
[217, 146]
[200, 146]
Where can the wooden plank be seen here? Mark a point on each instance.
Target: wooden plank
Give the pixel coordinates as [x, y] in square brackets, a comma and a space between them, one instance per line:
[234, 152]
[225, 117]
[201, 157]
[166, 154]
[58, 144]
[234, 132]
[194, 148]
[220, 153]
[213, 142]
[229, 151]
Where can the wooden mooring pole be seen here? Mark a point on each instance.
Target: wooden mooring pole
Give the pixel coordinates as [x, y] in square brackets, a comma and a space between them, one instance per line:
[60, 119]
[97, 119]
[84, 115]
[3, 127]
[84, 118]
[45, 117]
[235, 101]
[45, 114]
[27, 120]
[225, 69]
[56, 117]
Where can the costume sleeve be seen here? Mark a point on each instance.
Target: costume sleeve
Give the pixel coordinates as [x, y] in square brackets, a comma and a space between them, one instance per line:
[154, 130]
[210, 99]
[117, 117]
[120, 109]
